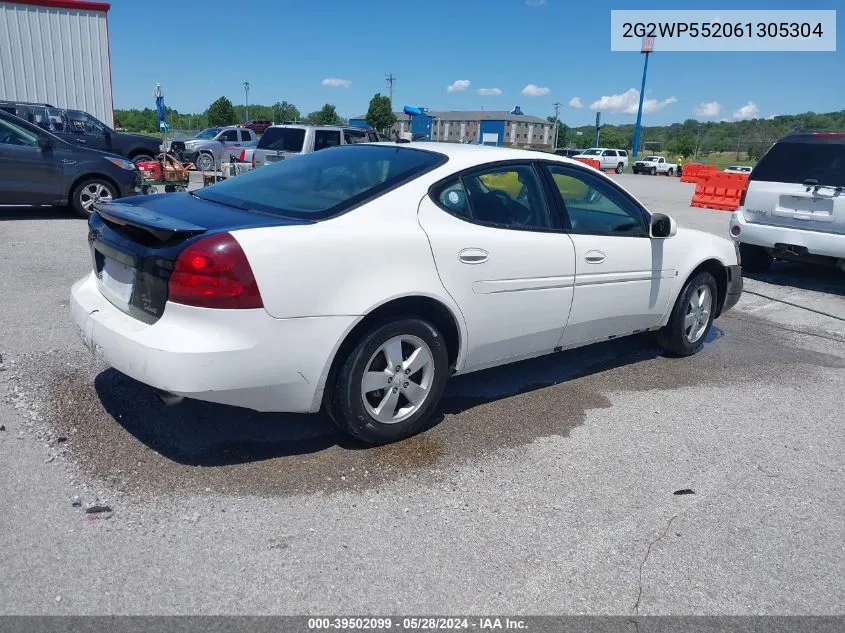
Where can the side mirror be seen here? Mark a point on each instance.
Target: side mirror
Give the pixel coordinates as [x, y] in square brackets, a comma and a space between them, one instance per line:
[663, 226]
[45, 144]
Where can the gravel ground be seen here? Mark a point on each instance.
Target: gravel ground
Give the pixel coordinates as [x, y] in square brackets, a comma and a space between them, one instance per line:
[547, 488]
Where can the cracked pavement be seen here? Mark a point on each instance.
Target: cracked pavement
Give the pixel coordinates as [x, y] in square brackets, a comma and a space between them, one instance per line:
[546, 489]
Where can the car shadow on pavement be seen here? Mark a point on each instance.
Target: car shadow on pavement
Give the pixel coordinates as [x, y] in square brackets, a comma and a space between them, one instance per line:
[204, 434]
[8, 214]
[825, 279]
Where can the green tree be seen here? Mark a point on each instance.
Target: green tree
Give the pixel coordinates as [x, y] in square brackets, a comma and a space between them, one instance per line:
[221, 112]
[682, 145]
[327, 115]
[611, 137]
[380, 113]
[285, 111]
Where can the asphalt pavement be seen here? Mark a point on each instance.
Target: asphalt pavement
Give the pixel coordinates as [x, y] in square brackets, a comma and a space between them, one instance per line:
[548, 487]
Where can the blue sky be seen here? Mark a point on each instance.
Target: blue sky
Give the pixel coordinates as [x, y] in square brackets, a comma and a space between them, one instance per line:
[311, 52]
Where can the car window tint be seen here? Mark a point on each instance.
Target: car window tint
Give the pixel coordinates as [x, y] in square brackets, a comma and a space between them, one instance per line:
[351, 136]
[326, 138]
[509, 196]
[453, 197]
[245, 136]
[595, 207]
[795, 162]
[229, 135]
[82, 123]
[56, 120]
[283, 139]
[320, 184]
[11, 134]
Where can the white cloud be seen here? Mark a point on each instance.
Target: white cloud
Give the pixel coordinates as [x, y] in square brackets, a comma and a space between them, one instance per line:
[535, 3]
[628, 102]
[708, 109]
[748, 111]
[575, 102]
[532, 90]
[489, 92]
[334, 82]
[458, 86]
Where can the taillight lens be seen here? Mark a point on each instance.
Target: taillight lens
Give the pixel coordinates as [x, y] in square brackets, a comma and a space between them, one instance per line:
[742, 195]
[214, 273]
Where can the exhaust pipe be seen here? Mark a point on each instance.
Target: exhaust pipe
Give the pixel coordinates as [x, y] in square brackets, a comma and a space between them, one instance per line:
[168, 399]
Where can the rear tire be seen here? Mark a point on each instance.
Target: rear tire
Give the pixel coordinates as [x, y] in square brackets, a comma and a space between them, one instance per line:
[378, 404]
[691, 318]
[619, 168]
[754, 259]
[90, 191]
[670, 172]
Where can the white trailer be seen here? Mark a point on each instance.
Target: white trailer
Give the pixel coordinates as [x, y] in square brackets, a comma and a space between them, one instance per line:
[57, 52]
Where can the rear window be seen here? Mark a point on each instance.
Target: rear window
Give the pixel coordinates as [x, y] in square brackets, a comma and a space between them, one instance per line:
[283, 139]
[796, 162]
[322, 184]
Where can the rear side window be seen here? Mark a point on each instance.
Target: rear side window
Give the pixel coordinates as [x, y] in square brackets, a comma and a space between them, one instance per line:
[795, 162]
[282, 139]
[326, 138]
[246, 136]
[321, 184]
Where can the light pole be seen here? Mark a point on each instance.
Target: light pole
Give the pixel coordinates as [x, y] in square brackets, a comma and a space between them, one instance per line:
[557, 125]
[647, 49]
[246, 95]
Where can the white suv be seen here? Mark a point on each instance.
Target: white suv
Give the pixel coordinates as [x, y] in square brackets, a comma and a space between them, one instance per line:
[793, 206]
[616, 159]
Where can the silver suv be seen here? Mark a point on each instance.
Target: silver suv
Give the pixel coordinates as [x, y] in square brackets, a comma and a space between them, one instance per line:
[284, 141]
[211, 147]
[793, 206]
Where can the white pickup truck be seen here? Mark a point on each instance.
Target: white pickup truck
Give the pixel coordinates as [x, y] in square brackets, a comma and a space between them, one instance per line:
[653, 165]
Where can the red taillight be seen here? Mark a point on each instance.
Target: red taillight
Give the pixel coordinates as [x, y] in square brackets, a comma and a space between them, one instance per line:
[214, 273]
[242, 157]
[742, 195]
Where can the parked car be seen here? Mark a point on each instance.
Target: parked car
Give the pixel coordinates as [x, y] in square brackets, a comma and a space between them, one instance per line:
[39, 168]
[358, 279]
[653, 165]
[568, 152]
[211, 147]
[793, 205]
[738, 169]
[258, 125]
[616, 159]
[283, 141]
[80, 128]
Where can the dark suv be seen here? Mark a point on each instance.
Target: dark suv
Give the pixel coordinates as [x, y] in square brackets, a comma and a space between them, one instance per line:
[39, 168]
[82, 129]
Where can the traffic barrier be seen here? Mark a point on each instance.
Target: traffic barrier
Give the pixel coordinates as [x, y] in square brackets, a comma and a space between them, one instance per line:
[719, 191]
[592, 162]
[692, 171]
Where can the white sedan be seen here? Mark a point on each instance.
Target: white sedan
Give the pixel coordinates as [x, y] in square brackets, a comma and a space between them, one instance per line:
[357, 279]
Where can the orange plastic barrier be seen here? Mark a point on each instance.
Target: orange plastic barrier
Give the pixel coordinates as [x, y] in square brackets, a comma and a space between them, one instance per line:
[719, 191]
[693, 171]
[592, 162]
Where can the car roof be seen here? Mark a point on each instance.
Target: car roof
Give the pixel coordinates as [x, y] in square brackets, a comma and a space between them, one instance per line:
[463, 155]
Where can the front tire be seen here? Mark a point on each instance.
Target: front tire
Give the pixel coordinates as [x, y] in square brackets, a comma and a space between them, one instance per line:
[89, 192]
[142, 158]
[205, 162]
[619, 168]
[692, 316]
[652, 171]
[391, 382]
[754, 259]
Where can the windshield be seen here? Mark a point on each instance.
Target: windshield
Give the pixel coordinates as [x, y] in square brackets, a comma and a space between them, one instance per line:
[208, 133]
[283, 139]
[651, 159]
[321, 184]
[591, 152]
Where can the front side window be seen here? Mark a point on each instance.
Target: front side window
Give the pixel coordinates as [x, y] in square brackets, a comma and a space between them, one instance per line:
[321, 184]
[229, 136]
[351, 137]
[11, 134]
[508, 196]
[326, 138]
[595, 207]
[84, 123]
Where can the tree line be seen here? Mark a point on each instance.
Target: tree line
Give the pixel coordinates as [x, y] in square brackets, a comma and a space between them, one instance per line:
[224, 112]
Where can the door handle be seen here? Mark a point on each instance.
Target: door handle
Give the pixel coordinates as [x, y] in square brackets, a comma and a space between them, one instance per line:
[594, 257]
[81, 140]
[473, 256]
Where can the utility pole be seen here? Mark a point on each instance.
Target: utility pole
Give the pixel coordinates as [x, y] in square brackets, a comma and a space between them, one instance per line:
[557, 125]
[246, 94]
[390, 81]
[647, 49]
